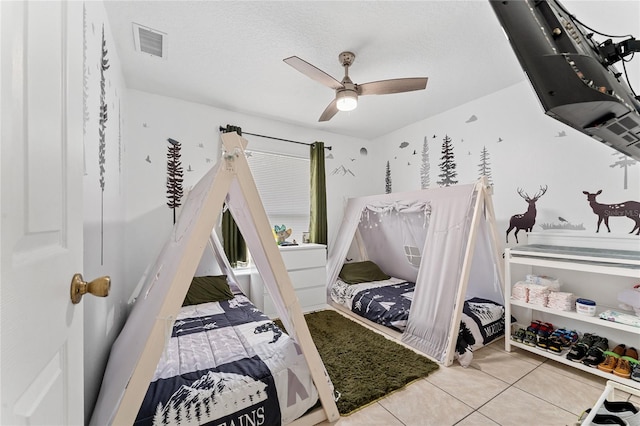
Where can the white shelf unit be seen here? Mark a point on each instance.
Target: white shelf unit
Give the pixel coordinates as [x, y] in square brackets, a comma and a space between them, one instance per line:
[598, 274]
[307, 268]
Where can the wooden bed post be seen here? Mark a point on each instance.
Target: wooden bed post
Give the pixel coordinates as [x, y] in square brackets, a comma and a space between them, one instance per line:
[234, 145]
[482, 205]
[495, 235]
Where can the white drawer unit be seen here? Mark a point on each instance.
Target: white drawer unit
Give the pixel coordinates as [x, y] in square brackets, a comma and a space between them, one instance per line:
[306, 265]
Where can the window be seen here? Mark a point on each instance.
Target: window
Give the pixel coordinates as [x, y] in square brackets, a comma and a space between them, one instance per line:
[283, 185]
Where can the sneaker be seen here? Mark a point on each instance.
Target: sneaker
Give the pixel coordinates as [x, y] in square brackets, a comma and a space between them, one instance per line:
[622, 409]
[635, 373]
[518, 335]
[623, 369]
[595, 355]
[608, 419]
[603, 419]
[579, 350]
[571, 337]
[556, 341]
[545, 329]
[544, 332]
[611, 358]
[530, 338]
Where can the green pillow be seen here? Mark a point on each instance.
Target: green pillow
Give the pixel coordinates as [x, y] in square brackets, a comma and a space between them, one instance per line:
[360, 272]
[208, 289]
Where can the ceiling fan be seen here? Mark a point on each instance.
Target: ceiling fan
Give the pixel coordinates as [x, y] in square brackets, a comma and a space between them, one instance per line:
[347, 91]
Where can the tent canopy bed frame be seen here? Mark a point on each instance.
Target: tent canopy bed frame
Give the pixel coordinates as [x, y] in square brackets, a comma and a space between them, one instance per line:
[442, 239]
[138, 348]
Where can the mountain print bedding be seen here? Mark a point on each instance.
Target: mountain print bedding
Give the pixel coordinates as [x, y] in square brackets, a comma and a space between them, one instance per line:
[388, 302]
[227, 364]
[385, 302]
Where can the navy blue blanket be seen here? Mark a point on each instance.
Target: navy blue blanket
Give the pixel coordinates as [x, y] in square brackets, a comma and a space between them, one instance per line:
[227, 364]
[387, 305]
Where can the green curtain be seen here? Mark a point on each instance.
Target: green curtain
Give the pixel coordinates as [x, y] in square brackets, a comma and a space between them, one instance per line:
[318, 219]
[234, 245]
[232, 241]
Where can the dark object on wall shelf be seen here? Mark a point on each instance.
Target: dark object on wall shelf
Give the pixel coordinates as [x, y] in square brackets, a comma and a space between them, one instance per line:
[573, 75]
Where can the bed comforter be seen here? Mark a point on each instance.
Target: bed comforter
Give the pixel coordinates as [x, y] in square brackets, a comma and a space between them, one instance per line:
[388, 302]
[227, 364]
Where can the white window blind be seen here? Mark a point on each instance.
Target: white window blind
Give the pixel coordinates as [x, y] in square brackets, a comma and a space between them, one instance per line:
[283, 185]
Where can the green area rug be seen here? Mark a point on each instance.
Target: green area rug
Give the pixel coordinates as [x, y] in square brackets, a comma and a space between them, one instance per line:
[364, 366]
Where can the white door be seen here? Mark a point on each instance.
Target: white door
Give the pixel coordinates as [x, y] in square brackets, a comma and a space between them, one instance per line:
[41, 351]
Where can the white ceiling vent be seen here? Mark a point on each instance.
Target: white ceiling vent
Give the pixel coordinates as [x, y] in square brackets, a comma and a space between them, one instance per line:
[150, 41]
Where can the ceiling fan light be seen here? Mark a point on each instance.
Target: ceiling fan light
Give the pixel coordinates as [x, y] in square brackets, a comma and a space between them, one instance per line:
[346, 100]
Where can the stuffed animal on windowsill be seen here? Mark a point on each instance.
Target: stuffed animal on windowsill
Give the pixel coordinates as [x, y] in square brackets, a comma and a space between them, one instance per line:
[282, 233]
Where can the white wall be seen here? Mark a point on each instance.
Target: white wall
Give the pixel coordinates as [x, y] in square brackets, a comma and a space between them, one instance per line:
[103, 211]
[152, 119]
[526, 149]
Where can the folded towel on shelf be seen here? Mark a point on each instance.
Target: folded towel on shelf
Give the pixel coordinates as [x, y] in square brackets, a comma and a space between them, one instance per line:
[538, 294]
[561, 300]
[545, 280]
[520, 291]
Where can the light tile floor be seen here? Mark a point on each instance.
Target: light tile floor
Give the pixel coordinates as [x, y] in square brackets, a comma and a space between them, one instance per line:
[498, 388]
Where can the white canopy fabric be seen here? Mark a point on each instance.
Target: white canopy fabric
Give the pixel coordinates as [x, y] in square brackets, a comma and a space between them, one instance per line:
[443, 239]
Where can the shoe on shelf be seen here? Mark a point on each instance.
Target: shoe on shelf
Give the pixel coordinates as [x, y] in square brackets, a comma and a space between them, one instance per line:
[545, 329]
[557, 341]
[543, 342]
[611, 358]
[595, 354]
[635, 372]
[554, 345]
[518, 335]
[534, 326]
[580, 348]
[626, 363]
[571, 336]
[530, 338]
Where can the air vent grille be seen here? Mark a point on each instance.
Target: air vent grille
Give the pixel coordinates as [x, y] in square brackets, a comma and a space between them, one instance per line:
[150, 41]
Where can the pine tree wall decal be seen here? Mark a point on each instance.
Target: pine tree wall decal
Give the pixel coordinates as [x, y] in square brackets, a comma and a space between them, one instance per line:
[102, 128]
[624, 162]
[448, 165]
[425, 168]
[485, 168]
[174, 176]
[387, 180]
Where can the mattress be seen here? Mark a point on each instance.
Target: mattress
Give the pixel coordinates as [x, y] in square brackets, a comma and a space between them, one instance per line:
[226, 363]
[388, 302]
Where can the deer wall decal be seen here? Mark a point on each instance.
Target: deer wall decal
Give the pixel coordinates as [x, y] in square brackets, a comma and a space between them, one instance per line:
[526, 220]
[630, 209]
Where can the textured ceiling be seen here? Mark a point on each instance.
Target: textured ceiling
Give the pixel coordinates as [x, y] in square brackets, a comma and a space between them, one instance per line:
[228, 54]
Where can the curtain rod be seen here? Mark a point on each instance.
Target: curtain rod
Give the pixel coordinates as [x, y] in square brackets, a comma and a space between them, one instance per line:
[222, 129]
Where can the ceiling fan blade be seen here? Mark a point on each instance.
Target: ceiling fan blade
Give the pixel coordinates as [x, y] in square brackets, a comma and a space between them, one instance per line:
[330, 111]
[397, 85]
[310, 71]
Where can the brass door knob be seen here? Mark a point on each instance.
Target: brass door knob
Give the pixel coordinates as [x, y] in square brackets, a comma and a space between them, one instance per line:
[98, 287]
